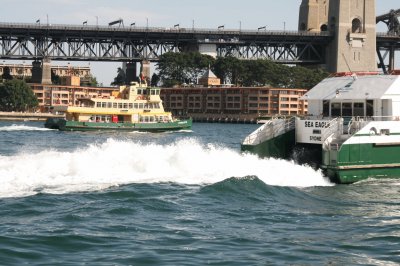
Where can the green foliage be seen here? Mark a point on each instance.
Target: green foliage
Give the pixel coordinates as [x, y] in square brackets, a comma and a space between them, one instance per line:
[179, 68]
[55, 79]
[120, 79]
[154, 80]
[16, 95]
[89, 81]
[6, 74]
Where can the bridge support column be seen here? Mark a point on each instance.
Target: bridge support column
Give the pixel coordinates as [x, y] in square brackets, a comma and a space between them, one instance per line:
[46, 71]
[36, 72]
[41, 71]
[131, 69]
[145, 72]
[391, 59]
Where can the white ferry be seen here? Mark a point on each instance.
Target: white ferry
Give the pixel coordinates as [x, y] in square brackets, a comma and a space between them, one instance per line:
[352, 131]
[132, 108]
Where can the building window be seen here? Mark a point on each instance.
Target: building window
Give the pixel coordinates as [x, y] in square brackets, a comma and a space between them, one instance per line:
[356, 26]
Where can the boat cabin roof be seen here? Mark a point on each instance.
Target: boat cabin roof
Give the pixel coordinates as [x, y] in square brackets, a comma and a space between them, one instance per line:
[355, 88]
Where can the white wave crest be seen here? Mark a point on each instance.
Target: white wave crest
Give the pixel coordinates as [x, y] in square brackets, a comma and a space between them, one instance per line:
[23, 128]
[115, 163]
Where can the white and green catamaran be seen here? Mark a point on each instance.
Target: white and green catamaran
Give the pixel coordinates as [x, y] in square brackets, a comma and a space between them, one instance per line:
[353, 128]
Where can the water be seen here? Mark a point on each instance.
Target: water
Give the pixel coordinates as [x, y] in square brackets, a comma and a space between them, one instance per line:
[183, 198]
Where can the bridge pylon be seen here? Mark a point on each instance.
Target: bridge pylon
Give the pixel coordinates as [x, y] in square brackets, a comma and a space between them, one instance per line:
[352, 23]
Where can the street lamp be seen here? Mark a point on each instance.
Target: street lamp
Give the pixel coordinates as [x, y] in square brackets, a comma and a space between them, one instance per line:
[263, 27]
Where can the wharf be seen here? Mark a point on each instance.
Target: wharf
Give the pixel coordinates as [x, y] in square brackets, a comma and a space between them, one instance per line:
[22, 116]
[225, 118]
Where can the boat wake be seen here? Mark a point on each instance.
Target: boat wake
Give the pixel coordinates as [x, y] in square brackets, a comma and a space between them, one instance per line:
[113, 163]
[23, 128]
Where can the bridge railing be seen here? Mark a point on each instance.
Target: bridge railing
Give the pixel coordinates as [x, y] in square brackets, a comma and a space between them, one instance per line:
[157, 29]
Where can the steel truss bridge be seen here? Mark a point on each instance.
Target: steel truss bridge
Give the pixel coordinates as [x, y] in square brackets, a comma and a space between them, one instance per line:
[109, 43]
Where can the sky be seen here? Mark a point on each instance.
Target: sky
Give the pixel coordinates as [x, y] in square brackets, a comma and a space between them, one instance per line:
[250, 14]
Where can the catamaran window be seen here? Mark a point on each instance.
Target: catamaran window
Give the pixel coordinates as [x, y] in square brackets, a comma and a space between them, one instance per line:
[358, 109]
[103, 105]
[146, 106]
[140, 105]
[136, 106]
[98, 104]
[125, 105]
[139, 91]
[120, 105]
[150, 105]
[153, 92]
[325, 108]
[370, 108]
[151, 118]
[115, 105]
[109, 105]
[131, 106]
[346, 109]
[335, 109]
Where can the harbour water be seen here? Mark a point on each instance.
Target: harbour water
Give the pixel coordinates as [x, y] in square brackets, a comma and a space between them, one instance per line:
[182, 198]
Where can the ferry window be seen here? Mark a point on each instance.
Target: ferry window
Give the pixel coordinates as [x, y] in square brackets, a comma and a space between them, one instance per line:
[145, 92]
[370, 108]
[153, 92]
[98, 104]
[139, 91]
[358, 109]
[325, 108]
[140, 105]
[151, 118]
[103, 105]
[157, 106]
[120, 105]
[109, 105]
[130, 106]
[136, 106]
[125, 105]
[150, 106]
[115, 105]
[158, 92]
[335, 109]
[346, 109]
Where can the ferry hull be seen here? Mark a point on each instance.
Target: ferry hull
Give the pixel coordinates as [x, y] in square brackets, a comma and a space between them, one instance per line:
[279, 147]
[348, 176]
[64, 125]
[356, 162]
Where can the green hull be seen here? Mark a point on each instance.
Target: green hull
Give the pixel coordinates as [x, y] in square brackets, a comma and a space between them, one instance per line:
[278, 147]
[348, 176]
[64, 125]
[356, 162]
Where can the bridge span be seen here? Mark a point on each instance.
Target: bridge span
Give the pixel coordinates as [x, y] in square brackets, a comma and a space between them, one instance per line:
[20, 41]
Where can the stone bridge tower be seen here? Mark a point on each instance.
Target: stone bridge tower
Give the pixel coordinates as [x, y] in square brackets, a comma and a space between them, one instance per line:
[353, 25]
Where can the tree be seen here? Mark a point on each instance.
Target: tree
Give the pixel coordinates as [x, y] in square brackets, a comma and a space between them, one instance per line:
[154, 80]
[6, 73]
[120, 79]
[55, 79]
[90, 81]
[178, 68]
[16, 95]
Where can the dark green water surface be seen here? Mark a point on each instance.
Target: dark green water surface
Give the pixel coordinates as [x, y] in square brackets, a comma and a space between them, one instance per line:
[183, 198]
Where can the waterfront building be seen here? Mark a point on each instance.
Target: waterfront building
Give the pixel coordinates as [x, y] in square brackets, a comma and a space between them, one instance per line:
[50, 95]
[222, 102]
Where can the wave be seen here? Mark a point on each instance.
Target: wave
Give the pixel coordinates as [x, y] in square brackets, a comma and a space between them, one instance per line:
[23, 128]
[114, 163]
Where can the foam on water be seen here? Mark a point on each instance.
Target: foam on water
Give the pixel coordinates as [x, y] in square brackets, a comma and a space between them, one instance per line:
[23, 128]
[114, 163]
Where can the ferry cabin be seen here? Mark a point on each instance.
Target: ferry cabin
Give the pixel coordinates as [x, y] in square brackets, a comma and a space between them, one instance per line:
[373, 97]
[132, 104]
